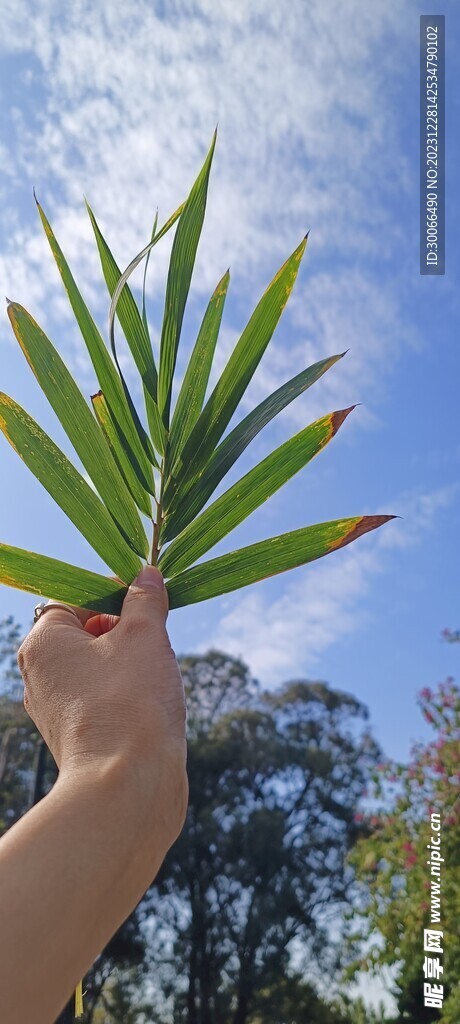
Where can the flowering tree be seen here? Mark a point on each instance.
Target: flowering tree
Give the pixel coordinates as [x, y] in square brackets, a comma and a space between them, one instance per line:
[407, 863]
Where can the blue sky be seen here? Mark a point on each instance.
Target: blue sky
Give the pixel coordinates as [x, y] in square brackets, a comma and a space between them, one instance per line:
[318, 128]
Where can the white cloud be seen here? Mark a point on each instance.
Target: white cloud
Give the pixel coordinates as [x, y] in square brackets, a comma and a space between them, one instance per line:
[126, 103]
[325, 602]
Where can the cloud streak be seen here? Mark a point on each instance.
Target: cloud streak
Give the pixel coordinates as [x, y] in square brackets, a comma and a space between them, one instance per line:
[127, 103]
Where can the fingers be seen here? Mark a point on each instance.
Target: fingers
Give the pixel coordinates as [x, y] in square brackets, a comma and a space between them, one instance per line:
[92, 622]
[102, 623]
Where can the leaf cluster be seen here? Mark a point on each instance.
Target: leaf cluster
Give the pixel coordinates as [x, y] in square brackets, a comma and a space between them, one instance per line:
[163, 466]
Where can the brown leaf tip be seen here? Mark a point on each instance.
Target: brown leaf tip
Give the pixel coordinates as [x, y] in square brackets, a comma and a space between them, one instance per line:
[364, 525]
[339, 416]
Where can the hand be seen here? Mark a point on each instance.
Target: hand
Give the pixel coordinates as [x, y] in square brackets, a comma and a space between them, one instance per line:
[101, 688]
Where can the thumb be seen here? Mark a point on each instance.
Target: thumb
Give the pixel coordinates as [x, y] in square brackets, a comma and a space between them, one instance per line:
[147, 598]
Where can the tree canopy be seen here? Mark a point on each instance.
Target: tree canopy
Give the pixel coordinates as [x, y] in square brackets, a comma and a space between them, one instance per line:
[406, 888]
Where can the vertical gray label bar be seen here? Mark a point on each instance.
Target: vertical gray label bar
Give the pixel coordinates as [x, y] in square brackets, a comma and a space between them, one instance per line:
[432, 144]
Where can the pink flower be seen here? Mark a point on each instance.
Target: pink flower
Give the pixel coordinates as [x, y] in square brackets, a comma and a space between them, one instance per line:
[410, 860]
[408, 847]
[426, 693]
[358, 817]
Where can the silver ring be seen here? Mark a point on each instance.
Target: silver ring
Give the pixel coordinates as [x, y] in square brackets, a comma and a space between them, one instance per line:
[40, 608]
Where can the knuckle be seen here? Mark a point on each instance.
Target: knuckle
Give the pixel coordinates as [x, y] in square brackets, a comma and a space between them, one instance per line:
[23, 653]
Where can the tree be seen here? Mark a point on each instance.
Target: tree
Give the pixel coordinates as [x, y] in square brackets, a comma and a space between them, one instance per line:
[259, 869]
[401, 883]
[260, 866]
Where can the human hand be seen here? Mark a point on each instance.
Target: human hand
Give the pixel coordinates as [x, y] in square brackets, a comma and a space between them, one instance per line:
[105, 688]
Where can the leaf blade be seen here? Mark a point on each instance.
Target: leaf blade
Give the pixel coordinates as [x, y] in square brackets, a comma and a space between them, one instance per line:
[59, 581]
[181, 265]
[127, 311]
[104, 368]
[67, 487]
[193, 389]
[248, 493]
[122, 457]
[79, 424]
[191, 499]
[134, 330]
[266, 558]
[235, 377]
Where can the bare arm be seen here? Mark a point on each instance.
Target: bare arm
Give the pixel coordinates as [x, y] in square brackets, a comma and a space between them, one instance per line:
[75, 866]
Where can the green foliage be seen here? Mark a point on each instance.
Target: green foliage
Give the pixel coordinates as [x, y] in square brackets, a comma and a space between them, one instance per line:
[274, 779]
[398, 885]
[180, 455]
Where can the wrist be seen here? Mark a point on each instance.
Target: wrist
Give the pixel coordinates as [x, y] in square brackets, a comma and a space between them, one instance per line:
[154, 786]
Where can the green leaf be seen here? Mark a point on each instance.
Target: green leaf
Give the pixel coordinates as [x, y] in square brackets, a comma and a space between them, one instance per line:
[235, 378]
[58, 581]
[181, 265]
[71, 492]
[105, 370]
[191, 499]
[135, 333]
[122, 457]
[155, 421]
[127, 312]
[193, 389]
[248, 493]
[267, 558]
[79, 424]
[144, 280]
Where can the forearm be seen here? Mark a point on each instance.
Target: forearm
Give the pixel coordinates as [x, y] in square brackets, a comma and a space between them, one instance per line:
[71, 871]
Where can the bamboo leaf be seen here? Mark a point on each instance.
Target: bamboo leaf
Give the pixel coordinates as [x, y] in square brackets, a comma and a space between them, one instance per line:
[155, 421]
[70, 491]
[247, 494]
[191, 499]
[105, 370]
[193, 389]
[181, 265]
[235, 378]
[267, 558]
[58, 581]
[135, 333]
[129, 472]
[135, 263]
[144, 280]
[80, 425]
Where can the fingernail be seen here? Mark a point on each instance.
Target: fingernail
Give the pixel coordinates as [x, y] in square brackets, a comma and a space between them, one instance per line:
[149, 576]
